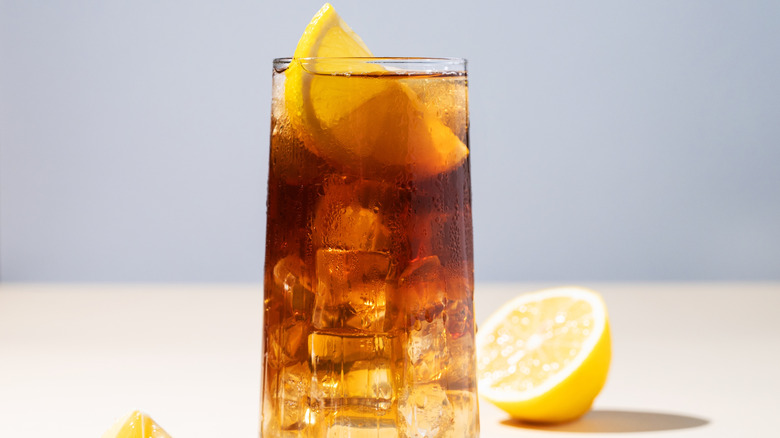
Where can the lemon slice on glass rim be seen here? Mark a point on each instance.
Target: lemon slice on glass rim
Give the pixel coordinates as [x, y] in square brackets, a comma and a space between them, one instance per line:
[347, 109]
[544, 357]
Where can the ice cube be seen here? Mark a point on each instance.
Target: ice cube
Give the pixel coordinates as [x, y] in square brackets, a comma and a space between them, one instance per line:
[294, 334]
[460, 283]
[426, 228]
[349, 216]
[460, 318]
[291, 277]
[461, 368]
[293, 396]
[421, 290]
[425, 411]
[358, 427]
[352, 288]
[427, 351]
[287, 342]
[335, 348]
[466, 413]
[370, 385]
[353, 378]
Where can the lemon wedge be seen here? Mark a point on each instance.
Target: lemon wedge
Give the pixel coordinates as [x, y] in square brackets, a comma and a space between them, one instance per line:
[543, 357]
[135, 425]
[356, 114]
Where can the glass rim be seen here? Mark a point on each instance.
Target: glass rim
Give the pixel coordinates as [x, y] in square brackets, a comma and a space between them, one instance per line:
[431, 64]
[410, 59]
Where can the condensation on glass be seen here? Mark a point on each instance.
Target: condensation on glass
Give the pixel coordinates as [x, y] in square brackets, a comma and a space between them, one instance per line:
[368, 318]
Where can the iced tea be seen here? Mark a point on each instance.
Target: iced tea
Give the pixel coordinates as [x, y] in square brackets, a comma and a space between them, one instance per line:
[368, 320]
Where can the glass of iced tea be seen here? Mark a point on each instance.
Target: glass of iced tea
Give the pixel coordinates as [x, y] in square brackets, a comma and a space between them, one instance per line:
[368, 319]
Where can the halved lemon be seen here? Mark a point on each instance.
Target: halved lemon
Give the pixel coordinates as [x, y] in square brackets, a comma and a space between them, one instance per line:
[544, 357]
[135, 425]
[356, 114]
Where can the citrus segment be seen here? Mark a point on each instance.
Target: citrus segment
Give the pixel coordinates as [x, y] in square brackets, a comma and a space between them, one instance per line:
[326, 35]
[544, 357]
[136, 425]
[358, 115]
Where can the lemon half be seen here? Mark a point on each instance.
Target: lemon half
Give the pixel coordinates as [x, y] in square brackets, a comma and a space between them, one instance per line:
[544, 356]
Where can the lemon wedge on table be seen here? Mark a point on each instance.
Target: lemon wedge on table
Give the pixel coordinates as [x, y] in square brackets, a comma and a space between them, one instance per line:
[543, 357]
[356, 114]
[135, 425]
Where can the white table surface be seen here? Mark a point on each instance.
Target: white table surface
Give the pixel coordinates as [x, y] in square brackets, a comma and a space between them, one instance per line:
[689, 360]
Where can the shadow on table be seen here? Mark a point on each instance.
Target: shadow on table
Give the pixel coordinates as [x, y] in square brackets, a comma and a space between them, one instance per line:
[618, 421]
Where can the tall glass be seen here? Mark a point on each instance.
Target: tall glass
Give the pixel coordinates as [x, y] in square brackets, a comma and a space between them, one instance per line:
[368, 319]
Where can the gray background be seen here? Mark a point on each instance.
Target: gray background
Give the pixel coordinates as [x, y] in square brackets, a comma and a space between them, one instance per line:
[612, 140]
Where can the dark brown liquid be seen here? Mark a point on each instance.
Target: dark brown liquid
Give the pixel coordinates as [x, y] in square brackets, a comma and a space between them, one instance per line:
[369, 327]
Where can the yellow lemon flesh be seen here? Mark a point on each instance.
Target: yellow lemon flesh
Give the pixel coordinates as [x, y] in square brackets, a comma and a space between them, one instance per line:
[356, 114]
[543, 357]
[136, 425]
